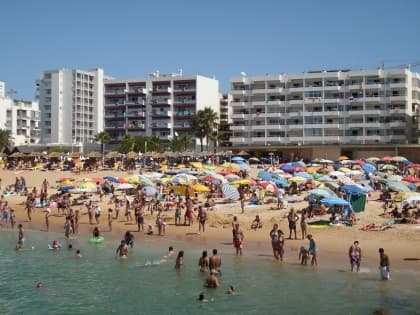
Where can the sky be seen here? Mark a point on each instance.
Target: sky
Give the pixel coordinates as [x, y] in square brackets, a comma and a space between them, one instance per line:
[220, 38]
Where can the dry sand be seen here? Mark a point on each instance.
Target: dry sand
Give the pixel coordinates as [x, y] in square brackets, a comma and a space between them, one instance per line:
[401, 242]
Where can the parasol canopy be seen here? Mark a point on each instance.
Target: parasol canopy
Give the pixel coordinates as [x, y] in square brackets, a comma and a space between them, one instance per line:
[230, 192]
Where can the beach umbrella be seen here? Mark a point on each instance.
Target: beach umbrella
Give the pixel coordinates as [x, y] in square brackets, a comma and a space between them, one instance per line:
[143, 180]
[411, 179]
[230, 192]
[369, 168]
[254, 159]
[197, 165]
[288, 167]
[413, 165]
[112, 155]
[396, 186]
[411, 200]
[99, 180]
[199, 188]
[238, 159]
[183, 179]
[280, 182]
[149, 190]
[373, 159]
[303, 174]
[17, 155]
[111, 179]
[232, 177]
[345, 162]
[94, 155]
[320, 192]
[386, 159]
[353, 189]
[241, 182]
[297, 179]
[388, 167]
[325, 179]
[325, 161]
[243, 153]
[124, 186]
[395, 178]
[264, 175]
[334, 201]
[336, 173]
[65, 188]
[342, 158]
[399, 159]
[244, 167]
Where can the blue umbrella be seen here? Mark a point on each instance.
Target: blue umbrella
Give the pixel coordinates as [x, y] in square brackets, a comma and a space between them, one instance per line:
[238, 159]
[264, 175]
[230, 192]
[65, 188]
[369, 168]
[287, 167]
[149, 190]
[320, 192]
[334, 201]
[303, 174]
[111, 179]
[280, 182]
[354, 189]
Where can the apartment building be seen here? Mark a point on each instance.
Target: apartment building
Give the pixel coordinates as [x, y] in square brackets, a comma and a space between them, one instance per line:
[2, 89]
[346, 107]
[21, 118]
[158, 105]
[225, 119]
[71, 105]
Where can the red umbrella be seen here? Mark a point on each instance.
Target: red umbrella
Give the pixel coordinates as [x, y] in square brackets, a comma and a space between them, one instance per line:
[208, 178]
[387, 159]
[411, 179]
[414, 165]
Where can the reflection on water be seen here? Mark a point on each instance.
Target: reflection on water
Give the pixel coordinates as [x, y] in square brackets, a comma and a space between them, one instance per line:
[148, 284]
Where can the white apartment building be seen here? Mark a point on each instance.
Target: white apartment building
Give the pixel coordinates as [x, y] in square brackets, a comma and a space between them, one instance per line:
[71, 105]
[345, 107]
[2, 89]
[21, 118]
[158, 105]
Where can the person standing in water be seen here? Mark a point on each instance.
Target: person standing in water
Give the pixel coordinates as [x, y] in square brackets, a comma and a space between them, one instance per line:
[203, 262]
[122, 250]
[383, 264]
[215, 262]
[21, 237]
[355, 256]
[179, 260]
[312, 250]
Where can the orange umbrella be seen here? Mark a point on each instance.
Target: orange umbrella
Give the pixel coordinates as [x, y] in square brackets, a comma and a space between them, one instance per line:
[342, 158]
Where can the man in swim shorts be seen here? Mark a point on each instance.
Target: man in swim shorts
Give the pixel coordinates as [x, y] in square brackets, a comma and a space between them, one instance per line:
[355, 256]
[215, 262]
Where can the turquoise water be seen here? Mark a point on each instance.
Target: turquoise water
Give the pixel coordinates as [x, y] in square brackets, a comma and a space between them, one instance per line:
[101, 284]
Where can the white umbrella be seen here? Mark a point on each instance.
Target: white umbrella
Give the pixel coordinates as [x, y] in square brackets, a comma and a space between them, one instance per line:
[124, 186]
[336, 173]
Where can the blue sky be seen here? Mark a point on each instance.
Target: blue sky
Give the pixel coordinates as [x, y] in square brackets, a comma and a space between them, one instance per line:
[218, 38]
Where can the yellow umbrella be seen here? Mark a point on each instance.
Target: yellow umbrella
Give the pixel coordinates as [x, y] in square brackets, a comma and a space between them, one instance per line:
[344, 169]
[132, 180]
[312, 169]
[209, 167]
[241, 182]
[297, 179]
[200, 188]
[197, 164]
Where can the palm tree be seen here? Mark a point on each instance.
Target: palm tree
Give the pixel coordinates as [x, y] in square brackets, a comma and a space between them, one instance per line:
[185, 140]
[203, 122]
[5, 139]
[153, 143]
[103, 138]
[215, 137]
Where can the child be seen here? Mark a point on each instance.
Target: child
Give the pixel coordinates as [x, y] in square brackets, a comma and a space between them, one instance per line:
[110, 219]
[303, 255]
[179, 260]
[150, 230]
[12, 218]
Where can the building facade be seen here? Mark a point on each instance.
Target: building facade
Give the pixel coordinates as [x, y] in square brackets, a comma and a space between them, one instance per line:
[160, 105]
[225, 120]
[2, 89]
[346, 107]
[21, 118]
[71, 105]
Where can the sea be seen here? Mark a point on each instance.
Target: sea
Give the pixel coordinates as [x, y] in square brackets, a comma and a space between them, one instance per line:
[146, 282]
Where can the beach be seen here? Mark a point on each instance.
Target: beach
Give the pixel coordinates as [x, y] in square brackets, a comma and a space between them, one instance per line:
[400, 241]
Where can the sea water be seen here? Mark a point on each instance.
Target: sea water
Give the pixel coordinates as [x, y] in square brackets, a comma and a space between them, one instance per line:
[100, 283]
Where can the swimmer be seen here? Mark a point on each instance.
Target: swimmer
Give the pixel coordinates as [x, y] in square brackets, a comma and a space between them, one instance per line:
[179, 260]
[78, 254]
[55, 245]
[122, 250]
[70, 247]
[201, 298]
[39, 285]
[170, 251]
[212, 281]
[21, 236]
[230, 290]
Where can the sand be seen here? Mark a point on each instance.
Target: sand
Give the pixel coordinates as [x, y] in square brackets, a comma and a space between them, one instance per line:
[400, 242]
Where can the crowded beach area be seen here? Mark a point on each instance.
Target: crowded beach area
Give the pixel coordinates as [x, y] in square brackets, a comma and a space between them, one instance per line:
[286, 210]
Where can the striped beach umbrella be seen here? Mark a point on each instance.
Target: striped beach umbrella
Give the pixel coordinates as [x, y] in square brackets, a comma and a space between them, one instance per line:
[230, 192]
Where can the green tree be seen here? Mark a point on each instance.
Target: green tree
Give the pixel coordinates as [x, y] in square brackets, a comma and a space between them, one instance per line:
[185, 140]
[153, 143]
[203, 122]
[103, 138]
[215, 137]
[5, 139]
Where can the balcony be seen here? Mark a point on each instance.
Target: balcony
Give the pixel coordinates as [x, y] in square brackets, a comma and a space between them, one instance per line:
[376, 112]
[239, 104]
[118, 92]
[161, 114]
[400, 98]
[137, 90]
[236, 140]
[161, 125]
[182, 126]
[241, 92]
[276, 102]
[238, 128]
[296, 102]
[240, 116]
[161, 101]
[162, 89]
[132, 114]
